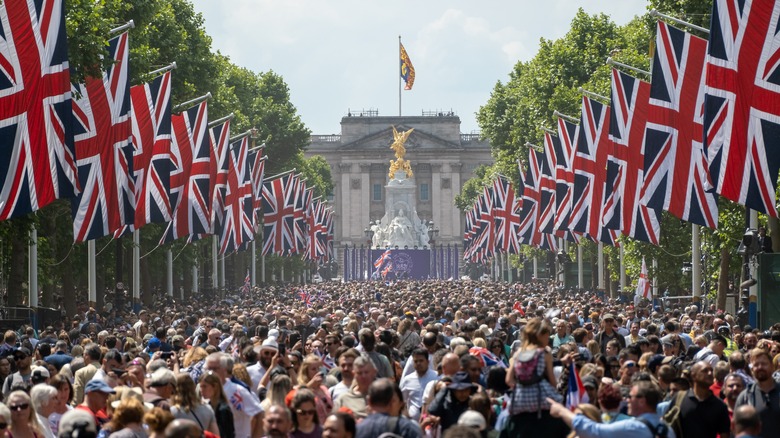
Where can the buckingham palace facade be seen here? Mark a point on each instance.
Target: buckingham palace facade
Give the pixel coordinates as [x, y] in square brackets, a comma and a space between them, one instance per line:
[442, 159]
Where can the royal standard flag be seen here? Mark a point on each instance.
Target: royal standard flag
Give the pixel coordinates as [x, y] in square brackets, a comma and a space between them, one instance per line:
[407, 69]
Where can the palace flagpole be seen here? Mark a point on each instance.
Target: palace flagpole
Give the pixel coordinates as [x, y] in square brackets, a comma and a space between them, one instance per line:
[399, 77]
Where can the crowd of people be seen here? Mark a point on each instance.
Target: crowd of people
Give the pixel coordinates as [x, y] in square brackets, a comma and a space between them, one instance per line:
[410, 358]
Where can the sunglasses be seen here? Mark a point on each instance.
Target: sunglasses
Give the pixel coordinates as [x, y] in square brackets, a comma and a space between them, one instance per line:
[306, 411]
[20, 407]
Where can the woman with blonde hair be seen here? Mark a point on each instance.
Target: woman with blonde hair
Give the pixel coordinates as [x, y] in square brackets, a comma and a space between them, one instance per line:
[532, 376]
[311, 376]
[187, 405]
[5, 420]
[23, 423]
[280, 385]
[240, 372]
[194, 361]
[211, 389]
[127, 420]
[157, 420]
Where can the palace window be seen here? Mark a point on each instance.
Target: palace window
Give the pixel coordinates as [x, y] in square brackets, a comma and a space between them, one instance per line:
[425, 194]
[376, 193]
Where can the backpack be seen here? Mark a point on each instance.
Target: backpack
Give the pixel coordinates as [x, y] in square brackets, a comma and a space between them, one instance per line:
[659, 431]
[525, 367]
[672, 416]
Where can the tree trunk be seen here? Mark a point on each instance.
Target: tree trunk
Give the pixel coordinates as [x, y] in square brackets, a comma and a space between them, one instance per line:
[17, 276]
[773, 230]
[723, 278]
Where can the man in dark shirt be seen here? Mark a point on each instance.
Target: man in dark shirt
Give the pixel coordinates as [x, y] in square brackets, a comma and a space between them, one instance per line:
[764, 394]
[608, 333]
[385, 403]
[701, 413]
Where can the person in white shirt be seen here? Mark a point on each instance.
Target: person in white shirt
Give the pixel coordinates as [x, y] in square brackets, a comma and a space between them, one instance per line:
[42, 397]
[712, 352]
[112, 360]
[247, 412]
[412, 385]
[346, 362]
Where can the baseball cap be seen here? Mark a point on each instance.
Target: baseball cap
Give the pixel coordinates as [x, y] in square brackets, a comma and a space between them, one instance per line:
[473, 419]
[98, 385]
[162, 377]
[22, 351]
[39, 374]
[75, 422]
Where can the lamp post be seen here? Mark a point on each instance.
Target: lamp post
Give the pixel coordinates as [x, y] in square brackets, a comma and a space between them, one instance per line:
[369, 232]
[433, 232]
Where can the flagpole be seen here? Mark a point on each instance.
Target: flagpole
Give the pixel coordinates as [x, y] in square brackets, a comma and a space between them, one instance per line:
[580, 274]
[695, 264]
[165, 69]
[190, 103]
[91, 282]
[655, 280]
[169, 271]
[622, 271]
[136, 270]
[399, 77]
[33, 271]
[253, 265]
[214, 266]
[600, 282]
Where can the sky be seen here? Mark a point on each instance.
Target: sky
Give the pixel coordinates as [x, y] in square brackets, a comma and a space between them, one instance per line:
[342, 55]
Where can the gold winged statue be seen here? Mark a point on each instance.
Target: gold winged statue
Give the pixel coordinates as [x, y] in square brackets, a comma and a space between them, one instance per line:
[399, 138]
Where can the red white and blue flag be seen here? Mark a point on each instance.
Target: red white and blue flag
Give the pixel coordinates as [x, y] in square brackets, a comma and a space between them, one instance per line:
[486, 358]
[547, 185]
[643, 284]
[675, 167]
[576, 393]
[382, 259]
[625, 174]
[278, 215]
[237, 229]
[151, 128]
[505, 217]
[247, 284]
[257, 161]
[191, 179]
[742, 102]
[38, 164]
[101, 119]
[564, 172]
[589, 162]
[219, 166]
[528, 233]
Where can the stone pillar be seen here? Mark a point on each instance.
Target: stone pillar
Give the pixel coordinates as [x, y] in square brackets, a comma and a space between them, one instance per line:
[437, 201]
[345, 200]
[456, 217]
[365, 196]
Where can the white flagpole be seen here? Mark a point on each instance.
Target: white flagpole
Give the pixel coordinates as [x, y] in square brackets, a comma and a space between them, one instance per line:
[254, 264]
[580, 274]
[33, 274]
[600, 284]
[214, 266]
[136, 269]
[91, 281]
[399, 76]
[169, 266]
[696, 264]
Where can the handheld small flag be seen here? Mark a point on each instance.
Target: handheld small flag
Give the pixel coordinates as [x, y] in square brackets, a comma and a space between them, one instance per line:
[643, 285]
[576, 393]
[247, 284]
[407, 69]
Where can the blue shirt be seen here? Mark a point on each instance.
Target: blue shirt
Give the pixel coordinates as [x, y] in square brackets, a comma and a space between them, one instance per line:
[587, 428]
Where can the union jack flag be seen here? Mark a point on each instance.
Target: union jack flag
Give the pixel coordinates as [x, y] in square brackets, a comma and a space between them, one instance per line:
[317, 243]
[151, 127]
[589, 162]
[486, 358]
[257, 161]
[219, 145]
[303, 198]
[103, 149]
[388, 269]
[547, 187]
[238, 229]
[505, 217]
[384, 257]
[675, 167]
[484, 242]
[330, 254]
[278, 215]
[528, 233]
[742, 102]
[38, 164]
[190, 182]
[305, 297]
[564, 175]
[622, 210]
[247, 284]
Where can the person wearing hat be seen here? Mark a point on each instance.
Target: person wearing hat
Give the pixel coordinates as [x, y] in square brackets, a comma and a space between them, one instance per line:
[453, 400]
[21, 379]
[473, 419]
[96, 394]
[40, 374]
[77, 422]
[383, 400]
[161, 387]
[608, 334]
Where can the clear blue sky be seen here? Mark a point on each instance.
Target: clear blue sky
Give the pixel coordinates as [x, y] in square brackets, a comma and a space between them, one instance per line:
[343, 54]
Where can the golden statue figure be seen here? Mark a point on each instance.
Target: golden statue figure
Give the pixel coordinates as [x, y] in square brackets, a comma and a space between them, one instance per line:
[399, 138]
